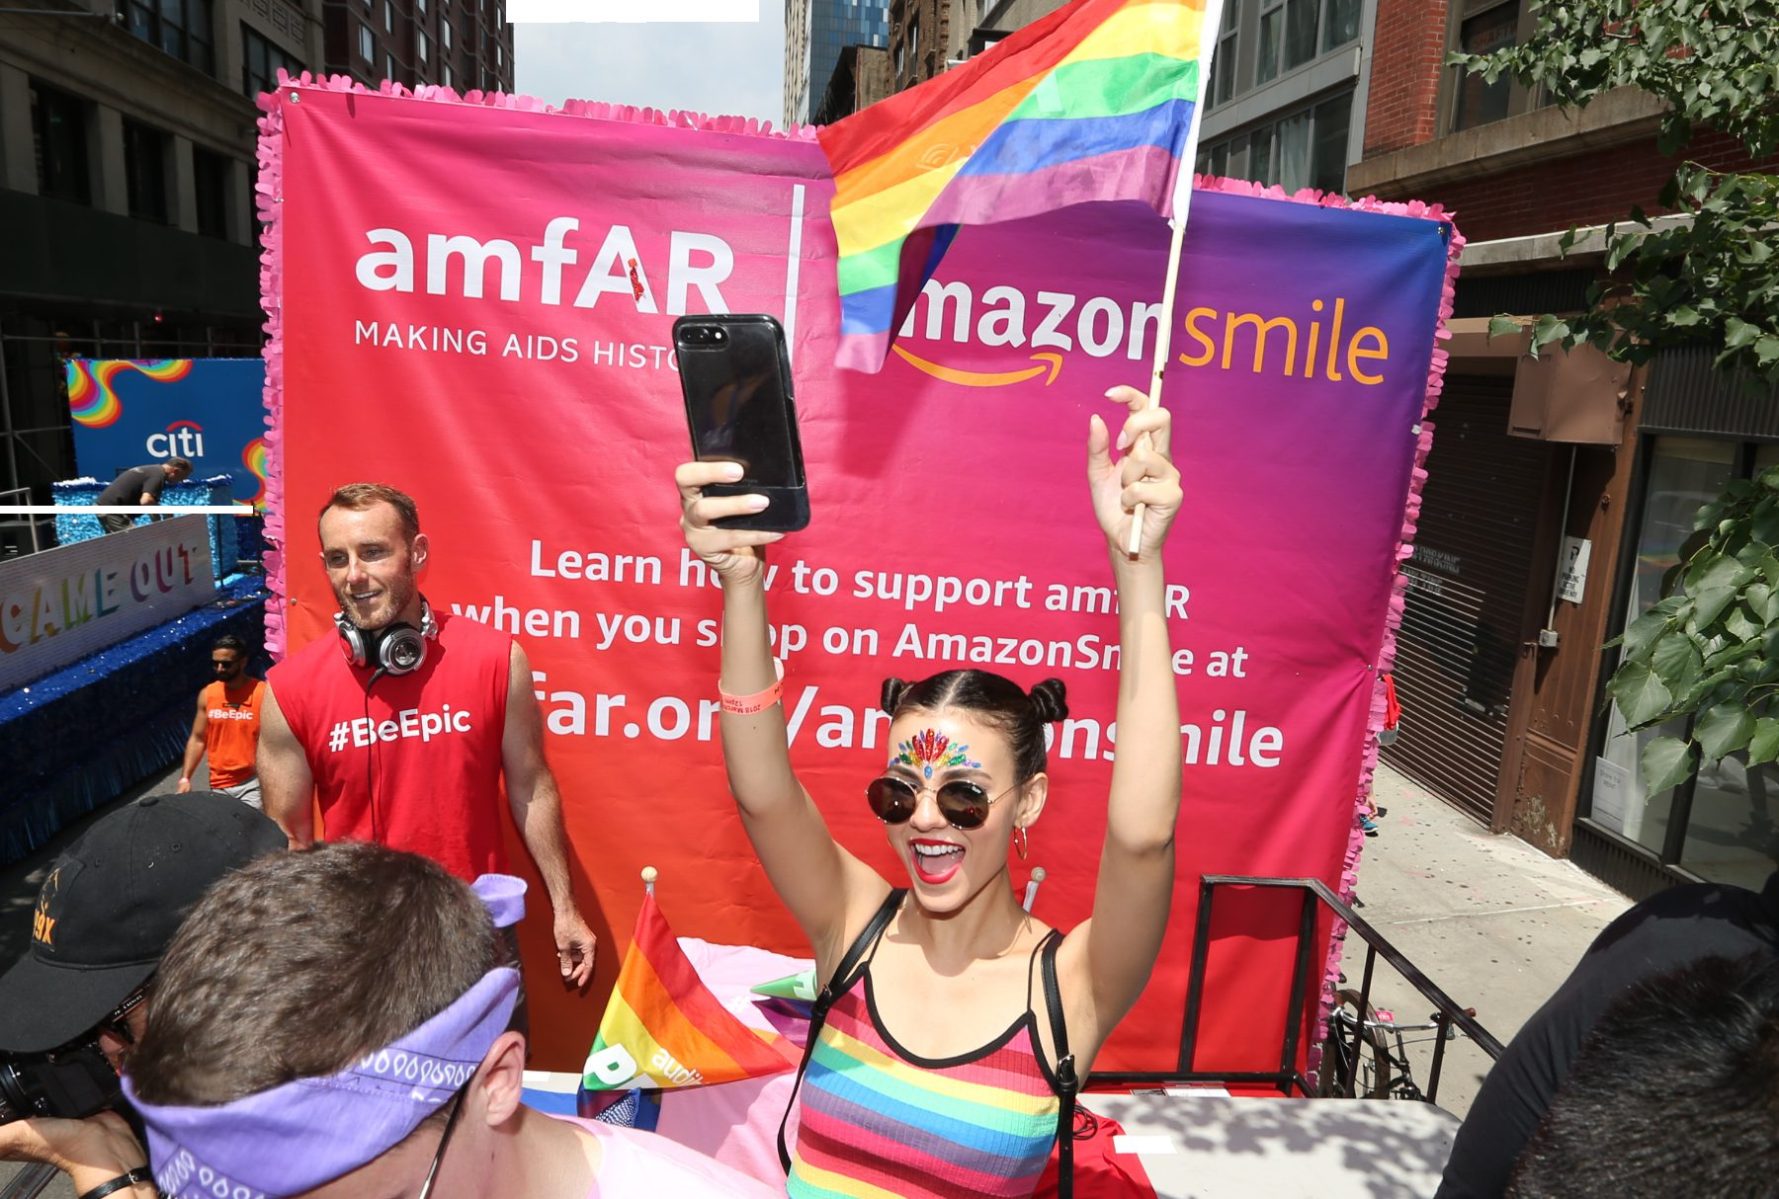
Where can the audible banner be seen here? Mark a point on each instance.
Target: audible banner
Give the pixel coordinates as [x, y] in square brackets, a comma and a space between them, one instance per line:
[473, 303]
[127, 412]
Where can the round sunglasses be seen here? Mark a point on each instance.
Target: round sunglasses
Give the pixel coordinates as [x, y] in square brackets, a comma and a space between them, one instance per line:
[963, 804]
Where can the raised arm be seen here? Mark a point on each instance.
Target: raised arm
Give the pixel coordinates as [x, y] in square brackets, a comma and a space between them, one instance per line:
[1136, 876]
[537, 810]
[826, 888]
[286, 786]
[194, 746]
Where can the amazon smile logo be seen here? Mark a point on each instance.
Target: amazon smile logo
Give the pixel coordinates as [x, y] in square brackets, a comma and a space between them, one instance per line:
[1046, 325]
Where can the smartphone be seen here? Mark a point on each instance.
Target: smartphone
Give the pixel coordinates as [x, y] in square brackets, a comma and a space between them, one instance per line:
[736, 376]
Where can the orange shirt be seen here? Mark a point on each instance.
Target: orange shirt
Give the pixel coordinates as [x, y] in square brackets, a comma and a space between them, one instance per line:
[231, 733]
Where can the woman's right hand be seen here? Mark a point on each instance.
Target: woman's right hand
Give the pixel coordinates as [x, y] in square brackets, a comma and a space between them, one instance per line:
[736, 555]
[90, 1151]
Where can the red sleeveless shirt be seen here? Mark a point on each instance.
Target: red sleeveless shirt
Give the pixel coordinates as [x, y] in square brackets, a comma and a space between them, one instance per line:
[414, 763]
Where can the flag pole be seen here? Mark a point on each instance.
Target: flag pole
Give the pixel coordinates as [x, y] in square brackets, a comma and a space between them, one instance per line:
[649, 874]
[1164, 334]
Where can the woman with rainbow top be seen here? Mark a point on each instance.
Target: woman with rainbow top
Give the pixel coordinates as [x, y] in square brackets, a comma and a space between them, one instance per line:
[954, 1027]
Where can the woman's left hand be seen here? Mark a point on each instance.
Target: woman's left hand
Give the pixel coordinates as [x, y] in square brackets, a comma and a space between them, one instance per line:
[1145, 475]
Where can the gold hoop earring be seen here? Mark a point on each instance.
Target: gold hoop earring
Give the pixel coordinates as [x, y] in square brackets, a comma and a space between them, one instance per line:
[1021, 841]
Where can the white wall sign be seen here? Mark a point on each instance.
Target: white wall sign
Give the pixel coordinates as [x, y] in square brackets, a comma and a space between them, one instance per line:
[1613, 798]
[1573, 581]
[65, 603]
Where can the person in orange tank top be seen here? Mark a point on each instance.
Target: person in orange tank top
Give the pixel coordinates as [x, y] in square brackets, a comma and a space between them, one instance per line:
[226, 728]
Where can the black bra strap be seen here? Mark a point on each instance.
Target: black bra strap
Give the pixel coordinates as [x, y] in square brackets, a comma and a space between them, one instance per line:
[844, 976]
[1068, 1083]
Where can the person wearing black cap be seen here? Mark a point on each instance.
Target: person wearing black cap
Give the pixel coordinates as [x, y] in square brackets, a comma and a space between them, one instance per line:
[102, 920]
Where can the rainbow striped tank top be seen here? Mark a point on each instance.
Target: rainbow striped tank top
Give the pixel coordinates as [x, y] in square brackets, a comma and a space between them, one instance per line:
[877, 1121]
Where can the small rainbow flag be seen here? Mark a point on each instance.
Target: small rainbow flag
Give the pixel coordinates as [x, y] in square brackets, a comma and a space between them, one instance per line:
[1097, 101]
[663, 1028]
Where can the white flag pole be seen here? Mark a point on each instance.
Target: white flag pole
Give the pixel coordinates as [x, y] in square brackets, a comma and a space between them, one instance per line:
[1164, 334]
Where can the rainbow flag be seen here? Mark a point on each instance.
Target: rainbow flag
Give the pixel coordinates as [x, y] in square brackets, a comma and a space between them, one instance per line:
[663, 1028]
[1097, 101]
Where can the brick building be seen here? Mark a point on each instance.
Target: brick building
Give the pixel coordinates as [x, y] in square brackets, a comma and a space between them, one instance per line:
[463, 44]
[1559, 491]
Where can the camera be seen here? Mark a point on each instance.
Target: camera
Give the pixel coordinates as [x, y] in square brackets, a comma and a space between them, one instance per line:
[74, 1082]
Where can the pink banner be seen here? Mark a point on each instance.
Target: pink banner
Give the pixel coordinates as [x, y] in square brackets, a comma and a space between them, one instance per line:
[472, 301]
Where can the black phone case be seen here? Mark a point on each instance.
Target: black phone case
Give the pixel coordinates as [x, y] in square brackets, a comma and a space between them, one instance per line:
[787, 508]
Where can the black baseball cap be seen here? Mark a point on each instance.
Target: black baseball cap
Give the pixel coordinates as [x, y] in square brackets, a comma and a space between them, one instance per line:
[110, 907]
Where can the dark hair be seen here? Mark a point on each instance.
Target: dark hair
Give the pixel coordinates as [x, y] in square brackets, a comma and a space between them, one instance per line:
[231, 642]
[991, 698]
[359, 496]
[1673, 1093]
[182, 464]
[299, 963]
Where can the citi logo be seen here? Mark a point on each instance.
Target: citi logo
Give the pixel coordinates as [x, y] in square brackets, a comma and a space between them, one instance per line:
[183, 439]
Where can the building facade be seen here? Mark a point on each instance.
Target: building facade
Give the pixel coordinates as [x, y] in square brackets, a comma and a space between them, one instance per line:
[816, 31]
[461, 44]
[127, 138]
[1288, 92]
[1560, 490]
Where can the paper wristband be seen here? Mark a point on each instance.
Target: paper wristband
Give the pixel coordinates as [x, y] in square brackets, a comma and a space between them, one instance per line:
[759, 701]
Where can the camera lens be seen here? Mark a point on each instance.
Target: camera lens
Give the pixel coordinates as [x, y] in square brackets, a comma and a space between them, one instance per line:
[716, 335]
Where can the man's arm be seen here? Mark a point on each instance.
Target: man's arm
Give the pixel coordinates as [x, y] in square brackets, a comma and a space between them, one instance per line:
[537, 810]
[286, 787]
[194, 746]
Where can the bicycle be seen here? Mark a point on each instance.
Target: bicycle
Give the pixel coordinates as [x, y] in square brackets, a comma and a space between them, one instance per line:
[1385, 1071]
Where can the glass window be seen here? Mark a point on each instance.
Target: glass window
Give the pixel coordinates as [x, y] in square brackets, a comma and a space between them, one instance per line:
[145, 171]
[445, 33]
[1732, 831]
[388, 16]
[1685, 473]
[210, 180]
[1223, 68]
[1300, 31]
[1294, 151]
[1340, 24]
[1272, 23]
[367, 45]
[1479, 102]
[420, 44]
[261, 61]
[59, 139]
[182, 28]
[1260, 164]
[1328, 160]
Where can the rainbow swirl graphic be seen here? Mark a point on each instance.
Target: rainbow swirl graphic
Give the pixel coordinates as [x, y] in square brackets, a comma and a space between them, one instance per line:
[254, 458]
[91, 400]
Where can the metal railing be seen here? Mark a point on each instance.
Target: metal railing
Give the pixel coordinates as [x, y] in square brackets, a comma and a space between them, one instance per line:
[1305, 968]
[30, 1182]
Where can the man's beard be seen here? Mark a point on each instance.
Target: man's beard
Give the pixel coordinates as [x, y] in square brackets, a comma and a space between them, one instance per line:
[397, 595]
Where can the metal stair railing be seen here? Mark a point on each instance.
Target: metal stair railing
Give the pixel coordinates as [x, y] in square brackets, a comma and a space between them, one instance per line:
[1287, 1078]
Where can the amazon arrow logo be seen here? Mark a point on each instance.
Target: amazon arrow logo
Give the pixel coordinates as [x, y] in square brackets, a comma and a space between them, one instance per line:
[1047, 363]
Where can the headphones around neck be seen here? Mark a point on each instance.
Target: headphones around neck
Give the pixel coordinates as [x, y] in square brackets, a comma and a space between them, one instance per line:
[396, 648]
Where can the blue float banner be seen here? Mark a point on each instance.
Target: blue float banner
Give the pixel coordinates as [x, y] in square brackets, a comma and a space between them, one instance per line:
[126, 412]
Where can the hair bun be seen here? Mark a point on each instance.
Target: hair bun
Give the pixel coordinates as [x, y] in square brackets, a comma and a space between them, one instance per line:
[1048, 702]
[894, 691]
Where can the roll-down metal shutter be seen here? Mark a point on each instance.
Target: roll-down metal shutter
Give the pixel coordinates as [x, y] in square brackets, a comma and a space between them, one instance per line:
[1468, 579]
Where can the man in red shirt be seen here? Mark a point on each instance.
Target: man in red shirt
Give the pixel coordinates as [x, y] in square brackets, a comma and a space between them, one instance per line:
[404, 725]
[227, 725]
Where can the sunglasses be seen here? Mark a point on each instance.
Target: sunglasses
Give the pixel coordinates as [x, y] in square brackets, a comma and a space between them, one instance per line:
[963, 804]
[117, 1022]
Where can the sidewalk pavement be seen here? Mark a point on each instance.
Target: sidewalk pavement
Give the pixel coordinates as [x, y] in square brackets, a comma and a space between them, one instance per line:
[1493, 922]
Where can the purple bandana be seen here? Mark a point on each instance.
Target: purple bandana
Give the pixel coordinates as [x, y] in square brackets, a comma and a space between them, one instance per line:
[301, 1134]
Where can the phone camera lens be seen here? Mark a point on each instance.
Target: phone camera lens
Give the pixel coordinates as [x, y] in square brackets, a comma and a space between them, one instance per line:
[716, 335]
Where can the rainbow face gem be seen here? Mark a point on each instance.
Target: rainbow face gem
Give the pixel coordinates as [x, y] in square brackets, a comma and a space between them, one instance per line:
[928, 750]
